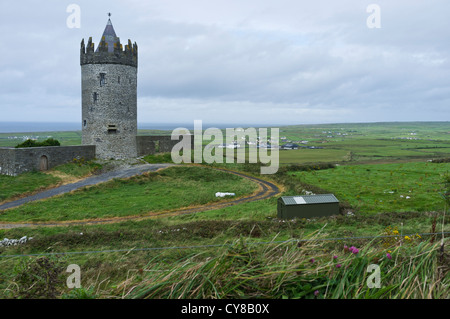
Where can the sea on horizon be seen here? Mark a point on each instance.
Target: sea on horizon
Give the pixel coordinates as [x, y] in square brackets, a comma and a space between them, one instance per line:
[29, 127]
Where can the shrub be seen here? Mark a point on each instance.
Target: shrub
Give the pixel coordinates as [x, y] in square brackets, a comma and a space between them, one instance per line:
[80, 293]
[50, 142]
[33, 143]
[38, 278]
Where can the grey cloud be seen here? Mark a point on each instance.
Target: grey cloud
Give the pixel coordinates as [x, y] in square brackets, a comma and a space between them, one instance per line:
[259, 59]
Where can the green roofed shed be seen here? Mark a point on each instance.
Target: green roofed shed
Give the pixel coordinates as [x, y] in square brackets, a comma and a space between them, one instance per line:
[307, 206]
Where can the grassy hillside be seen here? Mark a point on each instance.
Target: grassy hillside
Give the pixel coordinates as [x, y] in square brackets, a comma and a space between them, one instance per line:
[390, 201]
[405, 187]
[174, 187]
[28, 183]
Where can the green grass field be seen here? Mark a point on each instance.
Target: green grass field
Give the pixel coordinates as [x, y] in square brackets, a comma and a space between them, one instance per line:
[26, 183]
[303, 156]
[405, 187]
[366, 142]
[174, 187]
[382, 177]
[65, 138]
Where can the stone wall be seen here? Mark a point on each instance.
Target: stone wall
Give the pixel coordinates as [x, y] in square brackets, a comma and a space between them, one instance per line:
[15, 161]
[145, 145]
[156, 144]
[7, 161]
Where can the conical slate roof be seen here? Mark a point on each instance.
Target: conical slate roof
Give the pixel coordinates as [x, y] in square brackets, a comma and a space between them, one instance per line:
[110, 37]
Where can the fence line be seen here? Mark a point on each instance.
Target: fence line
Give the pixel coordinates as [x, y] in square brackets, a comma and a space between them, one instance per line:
[216, 245]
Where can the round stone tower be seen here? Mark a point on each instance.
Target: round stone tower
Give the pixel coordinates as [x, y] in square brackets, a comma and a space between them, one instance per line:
[109, 96]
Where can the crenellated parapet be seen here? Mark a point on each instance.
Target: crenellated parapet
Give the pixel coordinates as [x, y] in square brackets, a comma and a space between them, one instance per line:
[127, 55]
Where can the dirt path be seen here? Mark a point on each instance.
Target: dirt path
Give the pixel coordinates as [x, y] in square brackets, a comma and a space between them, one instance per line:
[266, 190]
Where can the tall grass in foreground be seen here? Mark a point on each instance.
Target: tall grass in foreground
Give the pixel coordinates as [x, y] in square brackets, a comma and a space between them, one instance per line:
[409, 269]
[298, 270]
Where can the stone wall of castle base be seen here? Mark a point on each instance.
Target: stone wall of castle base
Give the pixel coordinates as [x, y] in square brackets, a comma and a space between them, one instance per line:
[149, 145]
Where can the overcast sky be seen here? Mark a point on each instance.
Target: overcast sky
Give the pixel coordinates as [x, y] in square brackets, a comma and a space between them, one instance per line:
[237, 61]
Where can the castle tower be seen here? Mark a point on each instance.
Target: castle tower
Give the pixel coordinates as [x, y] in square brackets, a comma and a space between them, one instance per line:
[109, 96]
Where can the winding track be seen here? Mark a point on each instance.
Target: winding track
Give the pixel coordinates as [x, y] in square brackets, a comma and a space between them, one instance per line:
[266, 190]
